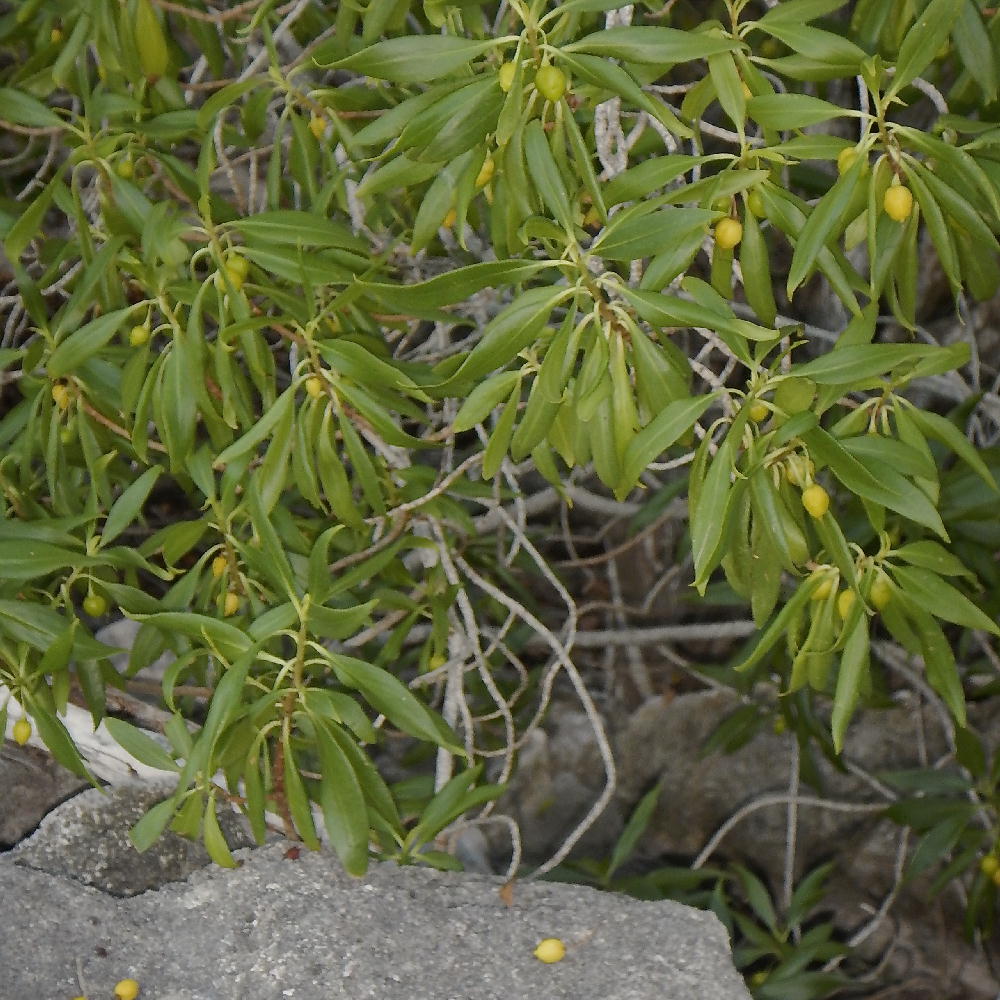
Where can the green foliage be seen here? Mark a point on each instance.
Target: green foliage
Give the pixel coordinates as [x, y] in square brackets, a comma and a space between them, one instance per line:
[320, 305]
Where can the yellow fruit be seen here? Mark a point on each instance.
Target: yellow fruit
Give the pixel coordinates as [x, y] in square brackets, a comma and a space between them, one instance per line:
[898, 202]
[486, 172]
[755, 203]
[125, 169]
[728, 233]
[231, 604]
[219, 566]
[845, 602]
[449, 220]
[61, 395]
[990, 865]
[824, 590]
[881, 593]
[317, 125]
[816, 500]
[314, 386]
[95, 605]
[238, 264]
[235, 279]
[550, 950]
[67, 434]
[846, 159]
[55, 36]
[779, 725]
[126, 989]
[747, 92]
[759, 412]
[138, 335]
[550, 82]
[22, 731]
[506, 76]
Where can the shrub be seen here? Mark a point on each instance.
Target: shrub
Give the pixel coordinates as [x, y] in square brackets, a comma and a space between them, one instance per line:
[300, 299]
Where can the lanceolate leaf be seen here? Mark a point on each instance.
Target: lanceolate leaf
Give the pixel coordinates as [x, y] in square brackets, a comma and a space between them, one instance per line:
[654, 45]
[941, 599]
[416, 59]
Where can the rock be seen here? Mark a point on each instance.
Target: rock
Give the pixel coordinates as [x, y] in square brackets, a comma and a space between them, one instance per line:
[297, 926]
[87, 840]
[32, 784]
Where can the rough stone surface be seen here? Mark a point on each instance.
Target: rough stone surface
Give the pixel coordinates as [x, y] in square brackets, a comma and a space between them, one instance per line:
[31, 783]
[86, 840]
[285, 927]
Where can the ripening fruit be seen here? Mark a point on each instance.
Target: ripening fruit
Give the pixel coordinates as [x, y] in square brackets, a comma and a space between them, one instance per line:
[816, 500]
[898, 202]
[125, 169]
[95, 605]
[550, 82]
[126, 989]
[138, 335]
[759, 412]
[317, 125]
[219, 566]
[728, 233]
[231, 604]
[22, 731]
[846, 159]
[795, 394]
[550, 950]
[67, 434]
[990, 865]
[314, 386]
[238, 264]
[845, 602]
[60, 395]
[506, 76]
[881, 593]
[235, 278]
[747, 92]
[824, 590]
[449, 220]
[55, 36]
[755, 202]
[486, 172]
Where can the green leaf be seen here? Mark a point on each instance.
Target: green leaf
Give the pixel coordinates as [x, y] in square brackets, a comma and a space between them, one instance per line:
[23, 109]
[926, 589]
[342, 801]
[453, 286]
[653, 45]
[416, 59]
[632, 237]
[509, 332]
[825, 221]
[943, 430]
[215, 841]
[854, 664]
[147, 831]
[289, 228]
[922, 42]
[139, 745]
[85, 342]
[228, 639]
[933, 556]
[126, 508]
[660, 433]
[388, 695]
[889, 489]
[939, 661]
[847, 365]
[545, 174]
[634, 829]
[788, 111]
